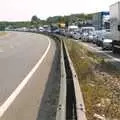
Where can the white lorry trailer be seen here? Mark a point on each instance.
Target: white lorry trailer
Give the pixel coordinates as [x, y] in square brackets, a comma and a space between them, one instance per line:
[115, 26]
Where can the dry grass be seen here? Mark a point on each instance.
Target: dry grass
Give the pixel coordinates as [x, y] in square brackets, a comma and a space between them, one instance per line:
[99, 81]
[3, 34]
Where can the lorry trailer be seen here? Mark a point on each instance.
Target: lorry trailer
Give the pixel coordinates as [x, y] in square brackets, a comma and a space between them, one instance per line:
[115, 26]
[101, 20]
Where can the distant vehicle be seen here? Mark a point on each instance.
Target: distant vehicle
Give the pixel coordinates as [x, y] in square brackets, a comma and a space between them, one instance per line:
[84, 36]
[62, 31]
[48, 30]
[57, 31]
[71, 29]
[95, 37]
[86, 33]
[41, 29]
[76, 35]
[107, 41]
[90, 37]
[115, 26]
[33, 29]
[22, 29]
[69, 33]
[87, 29]
[99, 37]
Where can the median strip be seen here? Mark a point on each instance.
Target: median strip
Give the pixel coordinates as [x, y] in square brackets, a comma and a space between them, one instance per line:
[99, 81]
[71, 105]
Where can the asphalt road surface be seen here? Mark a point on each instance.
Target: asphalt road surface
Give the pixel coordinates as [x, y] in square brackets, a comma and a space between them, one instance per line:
[26, 61]
[106, 54]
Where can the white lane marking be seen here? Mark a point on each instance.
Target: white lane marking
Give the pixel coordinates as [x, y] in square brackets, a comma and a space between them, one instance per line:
[20, 87]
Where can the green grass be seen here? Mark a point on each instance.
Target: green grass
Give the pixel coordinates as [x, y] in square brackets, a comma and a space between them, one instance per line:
[97, 81]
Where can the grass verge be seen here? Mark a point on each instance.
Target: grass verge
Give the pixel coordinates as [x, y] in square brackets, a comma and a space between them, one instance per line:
[3, 33]
[99, 81]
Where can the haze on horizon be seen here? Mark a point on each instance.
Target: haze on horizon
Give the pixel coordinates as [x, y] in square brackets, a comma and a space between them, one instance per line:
[23, 10]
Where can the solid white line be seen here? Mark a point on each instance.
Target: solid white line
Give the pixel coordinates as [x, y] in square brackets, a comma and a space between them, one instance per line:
[20, 87]
[114, 58]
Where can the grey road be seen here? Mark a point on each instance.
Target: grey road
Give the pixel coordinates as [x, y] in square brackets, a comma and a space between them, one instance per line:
[25, 64]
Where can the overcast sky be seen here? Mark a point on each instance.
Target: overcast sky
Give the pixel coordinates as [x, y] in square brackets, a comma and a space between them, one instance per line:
[22, 10]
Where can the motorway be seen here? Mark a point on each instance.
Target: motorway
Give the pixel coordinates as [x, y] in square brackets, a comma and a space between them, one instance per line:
[26, 61]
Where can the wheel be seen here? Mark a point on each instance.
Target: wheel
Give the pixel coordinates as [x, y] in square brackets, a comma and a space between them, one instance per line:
[114, 50]
[103, 47]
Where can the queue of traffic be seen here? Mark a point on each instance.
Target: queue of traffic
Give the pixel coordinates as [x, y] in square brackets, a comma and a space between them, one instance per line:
[104, 30]
[101, 38]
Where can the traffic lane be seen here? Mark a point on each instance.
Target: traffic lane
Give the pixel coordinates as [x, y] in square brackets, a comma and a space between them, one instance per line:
[16, 63]
[109, 53]
[16, 41]
[50, 100]
[27, 104]
[106, 54]
[8, 39]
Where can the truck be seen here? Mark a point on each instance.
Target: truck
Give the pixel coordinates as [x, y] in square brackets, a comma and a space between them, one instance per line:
[101, 20]
[115, 26]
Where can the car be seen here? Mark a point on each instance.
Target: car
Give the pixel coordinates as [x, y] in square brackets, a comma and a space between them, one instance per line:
[107, 44]
[94, 37]
[100, 37]
[107, 41]
[41, 29]
[56, 31]
[84, 36]
[67, 33]
[90, 37]
[62, 32]
[87, 33]
[87, 29]
[33, 30]
[76, 35]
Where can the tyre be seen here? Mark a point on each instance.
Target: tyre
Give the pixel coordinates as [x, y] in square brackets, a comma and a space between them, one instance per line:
[103, 47]
[114, 50]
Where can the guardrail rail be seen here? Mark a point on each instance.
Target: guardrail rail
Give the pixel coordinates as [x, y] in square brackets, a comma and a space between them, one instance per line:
[71, 104]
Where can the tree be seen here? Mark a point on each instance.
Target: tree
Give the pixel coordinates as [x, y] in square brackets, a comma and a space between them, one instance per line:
[35, 21]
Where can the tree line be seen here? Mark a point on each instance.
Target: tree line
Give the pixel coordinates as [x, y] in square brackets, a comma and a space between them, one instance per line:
[35, 21]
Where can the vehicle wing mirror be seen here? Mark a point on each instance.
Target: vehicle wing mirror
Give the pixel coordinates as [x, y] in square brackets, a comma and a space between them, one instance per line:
[118, 27]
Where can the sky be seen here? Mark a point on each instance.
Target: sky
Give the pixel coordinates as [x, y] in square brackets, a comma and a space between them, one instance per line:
[23, 10]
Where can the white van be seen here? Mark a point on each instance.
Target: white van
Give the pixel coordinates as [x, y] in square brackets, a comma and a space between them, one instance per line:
[87, 29]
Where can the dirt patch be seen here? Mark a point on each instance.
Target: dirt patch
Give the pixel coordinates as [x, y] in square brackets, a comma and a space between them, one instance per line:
[3, 34]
